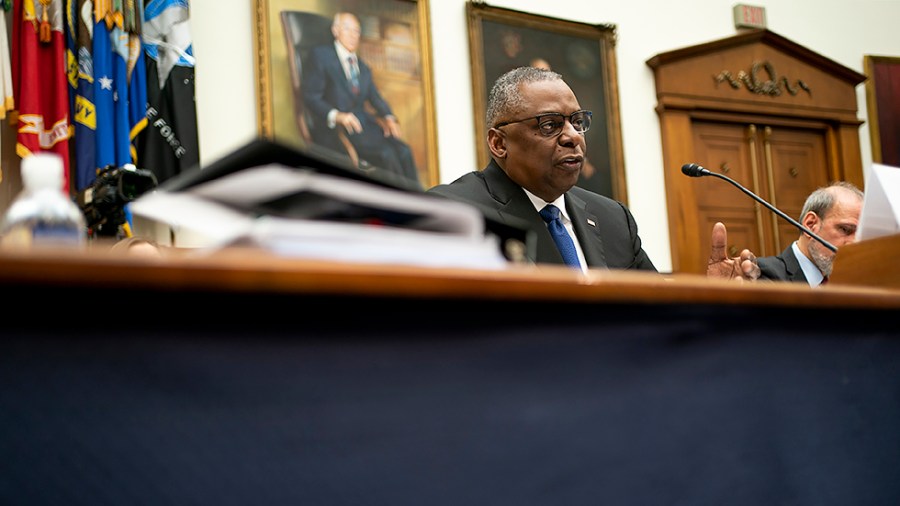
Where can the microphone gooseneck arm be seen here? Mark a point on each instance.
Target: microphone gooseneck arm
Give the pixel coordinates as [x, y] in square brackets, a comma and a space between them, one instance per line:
[694, 170]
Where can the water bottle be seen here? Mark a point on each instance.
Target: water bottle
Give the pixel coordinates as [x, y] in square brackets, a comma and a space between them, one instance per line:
[43, 214]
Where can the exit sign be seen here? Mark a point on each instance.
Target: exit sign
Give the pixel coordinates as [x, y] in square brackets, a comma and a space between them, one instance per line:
[749, 16]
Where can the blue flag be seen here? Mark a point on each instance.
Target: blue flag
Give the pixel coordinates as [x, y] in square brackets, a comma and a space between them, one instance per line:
[104, 82]
[79, 23]
[122, 126]
[137, 94]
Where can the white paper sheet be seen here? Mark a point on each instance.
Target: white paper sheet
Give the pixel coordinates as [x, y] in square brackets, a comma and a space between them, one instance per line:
[880, 214]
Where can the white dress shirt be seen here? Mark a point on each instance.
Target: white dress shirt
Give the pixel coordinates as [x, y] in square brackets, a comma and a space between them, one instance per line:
[540, 203]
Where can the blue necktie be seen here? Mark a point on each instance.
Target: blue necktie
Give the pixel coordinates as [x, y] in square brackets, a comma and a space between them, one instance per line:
[561, 237]
[354, 75]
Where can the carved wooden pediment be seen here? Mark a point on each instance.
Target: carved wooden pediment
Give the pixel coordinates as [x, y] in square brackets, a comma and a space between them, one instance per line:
[753, 70]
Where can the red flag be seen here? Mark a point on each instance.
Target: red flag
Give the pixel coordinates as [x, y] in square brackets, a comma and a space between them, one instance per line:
[39, 79]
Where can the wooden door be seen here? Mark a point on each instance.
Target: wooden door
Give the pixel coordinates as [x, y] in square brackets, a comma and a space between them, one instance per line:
[795, 164]
[780, 164]
[775, 116]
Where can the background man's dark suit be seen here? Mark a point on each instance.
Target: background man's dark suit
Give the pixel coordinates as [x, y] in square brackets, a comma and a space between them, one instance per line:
[605, 228]
[782, 267]
[325, 87]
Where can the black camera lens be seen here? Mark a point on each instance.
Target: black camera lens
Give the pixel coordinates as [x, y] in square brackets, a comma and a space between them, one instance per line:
[134, 183]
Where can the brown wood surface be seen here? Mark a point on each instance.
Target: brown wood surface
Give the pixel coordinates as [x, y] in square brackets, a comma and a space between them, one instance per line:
[245, 271]
[870, 263]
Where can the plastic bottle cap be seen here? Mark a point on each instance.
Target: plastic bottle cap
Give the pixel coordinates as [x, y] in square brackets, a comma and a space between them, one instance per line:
[42, 170]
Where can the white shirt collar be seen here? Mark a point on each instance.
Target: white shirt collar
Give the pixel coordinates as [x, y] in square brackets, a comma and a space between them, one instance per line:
[342, 57]
[540, 203]
[342, 52]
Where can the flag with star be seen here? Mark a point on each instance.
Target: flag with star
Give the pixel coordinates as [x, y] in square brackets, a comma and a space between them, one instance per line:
[108, 77]
[168, 145]
[39, 79]
[104, 107]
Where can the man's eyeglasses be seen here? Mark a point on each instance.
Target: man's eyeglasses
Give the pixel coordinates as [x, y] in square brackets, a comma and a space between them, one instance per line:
[551, 124]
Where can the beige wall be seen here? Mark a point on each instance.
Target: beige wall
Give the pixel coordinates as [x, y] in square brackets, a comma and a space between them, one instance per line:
[842, 30]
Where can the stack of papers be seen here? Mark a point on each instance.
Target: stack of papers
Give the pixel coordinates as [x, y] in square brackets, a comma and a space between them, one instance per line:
[305, 213]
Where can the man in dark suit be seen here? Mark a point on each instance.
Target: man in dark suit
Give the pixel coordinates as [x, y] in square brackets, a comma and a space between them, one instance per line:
[536, 138]
[832, 213]
[337, 87]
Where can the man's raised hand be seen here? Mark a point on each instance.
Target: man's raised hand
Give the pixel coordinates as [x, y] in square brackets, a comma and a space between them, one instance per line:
[743, 267]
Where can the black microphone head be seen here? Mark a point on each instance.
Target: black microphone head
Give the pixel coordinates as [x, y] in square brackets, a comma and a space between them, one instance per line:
[693, 170]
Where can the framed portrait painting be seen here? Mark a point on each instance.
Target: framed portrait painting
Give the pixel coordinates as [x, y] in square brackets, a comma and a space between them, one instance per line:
[350, 76]
[883, 106]
[502, 39]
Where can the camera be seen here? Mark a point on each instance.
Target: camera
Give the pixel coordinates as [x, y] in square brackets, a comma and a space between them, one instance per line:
[103, 203]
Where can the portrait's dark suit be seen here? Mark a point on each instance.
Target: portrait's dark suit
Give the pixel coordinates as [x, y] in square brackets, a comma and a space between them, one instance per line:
[605, 228]
[326, 87]
[783, 267]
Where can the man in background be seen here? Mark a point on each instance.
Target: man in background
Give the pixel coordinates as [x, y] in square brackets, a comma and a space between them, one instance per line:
[337, 88]
[831, 212]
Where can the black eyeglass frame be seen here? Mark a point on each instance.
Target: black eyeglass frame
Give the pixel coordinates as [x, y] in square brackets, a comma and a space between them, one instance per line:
[539, 117]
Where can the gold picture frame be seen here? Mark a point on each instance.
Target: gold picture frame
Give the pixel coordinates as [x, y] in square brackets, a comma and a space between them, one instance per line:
[501, 39]
[883, 107]
[395, 44]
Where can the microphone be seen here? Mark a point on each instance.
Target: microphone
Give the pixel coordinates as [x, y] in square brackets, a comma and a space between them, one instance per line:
[694, 170]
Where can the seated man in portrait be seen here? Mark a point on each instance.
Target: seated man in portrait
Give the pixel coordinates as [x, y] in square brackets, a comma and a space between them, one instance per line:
[338, 87]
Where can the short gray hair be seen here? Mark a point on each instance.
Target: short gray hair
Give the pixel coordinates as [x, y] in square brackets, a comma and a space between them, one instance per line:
[505, 98]
[822, 200]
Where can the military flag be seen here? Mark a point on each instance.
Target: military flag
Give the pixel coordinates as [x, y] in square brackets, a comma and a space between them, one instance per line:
[39, 79]
[168, 145]
[137, 92]
[80, 27]
[104, 101]
[121, 126]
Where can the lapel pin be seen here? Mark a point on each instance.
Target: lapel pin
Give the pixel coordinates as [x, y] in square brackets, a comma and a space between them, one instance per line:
[591, 222]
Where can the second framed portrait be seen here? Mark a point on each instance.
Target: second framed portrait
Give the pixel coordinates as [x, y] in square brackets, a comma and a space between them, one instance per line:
[350, 76]
[503, 39]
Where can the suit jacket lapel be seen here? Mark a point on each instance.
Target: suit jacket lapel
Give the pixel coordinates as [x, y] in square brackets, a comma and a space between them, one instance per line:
[792, 265]
[511, 199]
[585, 224]
[336, 69]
